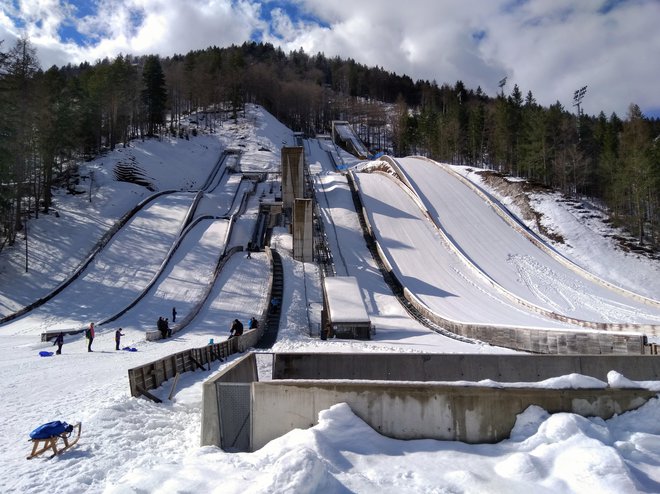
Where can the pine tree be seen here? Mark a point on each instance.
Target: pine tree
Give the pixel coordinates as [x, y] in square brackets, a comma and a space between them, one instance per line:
[21, 69]
[636, 171]
[5, 150]
[399, 126]
[514, 122]
[154, 94]
[121, 99]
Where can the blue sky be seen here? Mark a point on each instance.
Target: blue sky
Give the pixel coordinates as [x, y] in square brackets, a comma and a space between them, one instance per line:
[551, 47]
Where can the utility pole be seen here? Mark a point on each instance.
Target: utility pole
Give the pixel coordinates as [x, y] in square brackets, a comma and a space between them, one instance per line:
[25, 225]
[91, 183]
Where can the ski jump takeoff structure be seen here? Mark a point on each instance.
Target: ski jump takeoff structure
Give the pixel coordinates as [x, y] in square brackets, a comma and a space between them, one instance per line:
[344, 135]
[295, 204]
[409, 396]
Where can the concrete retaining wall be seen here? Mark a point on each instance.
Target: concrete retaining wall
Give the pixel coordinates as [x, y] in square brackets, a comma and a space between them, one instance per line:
[400, 396]
[539, 340]
[424, 411]
[242, 372]
[460, 367]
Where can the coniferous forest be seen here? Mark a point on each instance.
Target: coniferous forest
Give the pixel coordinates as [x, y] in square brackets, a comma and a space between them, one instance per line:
[54, 118]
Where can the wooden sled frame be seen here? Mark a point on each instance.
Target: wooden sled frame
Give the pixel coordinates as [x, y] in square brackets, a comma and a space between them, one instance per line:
[40, 446]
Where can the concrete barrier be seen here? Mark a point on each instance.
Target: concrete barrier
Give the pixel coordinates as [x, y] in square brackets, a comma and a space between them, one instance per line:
[225, 403]
[424, 410]
[402, 396]
[460, 367]
[540, 340]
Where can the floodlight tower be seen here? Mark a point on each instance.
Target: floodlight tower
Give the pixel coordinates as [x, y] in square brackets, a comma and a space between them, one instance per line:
[501, 85]
[577, 99]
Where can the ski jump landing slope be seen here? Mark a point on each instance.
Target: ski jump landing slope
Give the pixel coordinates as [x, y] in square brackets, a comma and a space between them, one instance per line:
[185, 281]
[524, 266]
[118, 274]
[135, 259]
[424, 264]
[464, 262]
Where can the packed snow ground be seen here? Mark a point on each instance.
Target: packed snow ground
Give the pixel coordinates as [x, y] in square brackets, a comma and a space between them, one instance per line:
[133, 445]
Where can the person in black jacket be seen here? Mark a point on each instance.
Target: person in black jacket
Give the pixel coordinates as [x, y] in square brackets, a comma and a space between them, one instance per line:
[236, 329]
[59, 341]
[162, 327]
[89, 334]
[118, 335]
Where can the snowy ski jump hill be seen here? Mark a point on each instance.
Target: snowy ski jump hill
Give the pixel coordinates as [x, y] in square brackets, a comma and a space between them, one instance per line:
[452, 262]
[151, 254]
[456, 252]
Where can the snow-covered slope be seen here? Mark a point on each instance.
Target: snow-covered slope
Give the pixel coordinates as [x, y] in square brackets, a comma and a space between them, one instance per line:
[133, 445]
[534, 274]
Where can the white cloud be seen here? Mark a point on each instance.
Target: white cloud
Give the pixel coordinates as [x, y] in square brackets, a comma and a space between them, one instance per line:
[427, 40]
[551, 47]
[554, 50]
[166, 27]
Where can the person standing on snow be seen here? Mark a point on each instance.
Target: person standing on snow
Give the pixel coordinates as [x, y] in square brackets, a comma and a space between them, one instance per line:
[118, 335]
[89, 334]
[173, 314]
[59, 341]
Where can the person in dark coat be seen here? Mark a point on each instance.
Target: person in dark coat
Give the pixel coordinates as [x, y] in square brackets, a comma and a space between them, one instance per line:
[118, 335]
[89, 334]
[173, 314]
[253, 323]
[236, 329]
[161, 327]
[59, 341]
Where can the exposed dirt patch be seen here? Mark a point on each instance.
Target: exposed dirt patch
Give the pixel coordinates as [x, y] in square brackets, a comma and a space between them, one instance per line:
[131, 172]
[518, 192]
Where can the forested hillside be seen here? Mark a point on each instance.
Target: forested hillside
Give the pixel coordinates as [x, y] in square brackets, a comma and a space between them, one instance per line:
[50, 119]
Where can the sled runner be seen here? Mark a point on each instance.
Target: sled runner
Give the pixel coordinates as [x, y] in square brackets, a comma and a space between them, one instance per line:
[48, 436]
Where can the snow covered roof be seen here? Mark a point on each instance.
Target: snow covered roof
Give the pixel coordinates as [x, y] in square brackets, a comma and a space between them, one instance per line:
[344, 300]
